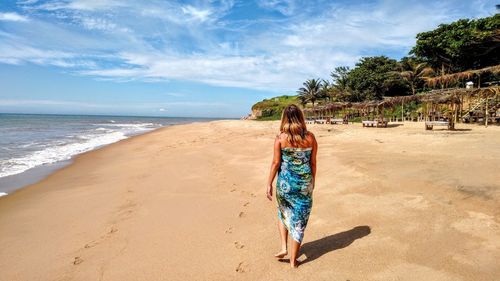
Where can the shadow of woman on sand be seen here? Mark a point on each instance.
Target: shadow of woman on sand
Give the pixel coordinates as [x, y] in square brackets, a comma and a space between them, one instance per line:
[316, 249]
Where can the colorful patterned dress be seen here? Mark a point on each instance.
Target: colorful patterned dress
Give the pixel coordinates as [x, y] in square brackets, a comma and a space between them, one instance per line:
[294, 189]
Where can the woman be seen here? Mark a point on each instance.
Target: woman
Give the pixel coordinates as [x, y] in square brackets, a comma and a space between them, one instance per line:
[294, 160]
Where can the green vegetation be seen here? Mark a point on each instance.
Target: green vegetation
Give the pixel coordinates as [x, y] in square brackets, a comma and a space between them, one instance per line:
[311, 92]
[374, 78]
[271, 108]
[459, 46]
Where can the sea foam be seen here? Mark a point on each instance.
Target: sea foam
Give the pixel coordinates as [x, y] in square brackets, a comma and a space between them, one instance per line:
[57, 153]
[30, 141]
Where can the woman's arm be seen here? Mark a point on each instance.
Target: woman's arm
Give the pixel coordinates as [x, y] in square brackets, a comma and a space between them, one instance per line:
[313, 158]
[274, 168]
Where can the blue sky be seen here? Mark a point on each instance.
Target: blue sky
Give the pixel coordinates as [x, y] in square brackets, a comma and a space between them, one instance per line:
[194, 58]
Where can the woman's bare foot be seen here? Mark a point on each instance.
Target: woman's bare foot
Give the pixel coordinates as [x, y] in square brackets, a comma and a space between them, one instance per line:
[294, 264]
[281, 254]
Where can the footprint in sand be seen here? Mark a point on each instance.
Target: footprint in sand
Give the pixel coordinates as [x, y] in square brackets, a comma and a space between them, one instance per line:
[112, 230]
[242, 268]
[241, 214]
[229, 230]
[101, 239]
[233, 190]
[77, 261]
[246, 204]
[251, 193]
[238, 245]
[91, 244]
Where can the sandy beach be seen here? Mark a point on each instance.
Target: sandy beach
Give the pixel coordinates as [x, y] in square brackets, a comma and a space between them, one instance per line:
[187, 202]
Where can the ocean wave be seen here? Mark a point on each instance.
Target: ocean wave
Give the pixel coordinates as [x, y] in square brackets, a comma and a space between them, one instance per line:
[137, 125]
[56, 153]
[2, 194]
[129, 129]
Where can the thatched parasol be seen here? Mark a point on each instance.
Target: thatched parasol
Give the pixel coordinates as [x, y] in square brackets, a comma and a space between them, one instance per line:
[455, 77]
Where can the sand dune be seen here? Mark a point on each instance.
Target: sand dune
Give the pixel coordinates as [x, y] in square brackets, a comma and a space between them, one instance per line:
[188, 203]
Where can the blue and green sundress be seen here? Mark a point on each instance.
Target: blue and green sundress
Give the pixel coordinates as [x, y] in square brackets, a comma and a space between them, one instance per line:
[294, 189]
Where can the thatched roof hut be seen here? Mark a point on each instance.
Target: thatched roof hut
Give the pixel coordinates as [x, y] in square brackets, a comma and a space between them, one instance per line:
[327, 108]
[455, 77]
[452, 98]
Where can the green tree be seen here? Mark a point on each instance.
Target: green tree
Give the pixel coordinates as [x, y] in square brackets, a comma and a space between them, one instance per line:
[339, 88]
[461, 45]
[311, 91]
[303, 100]
[339, 76]
[325, 90]
[413, 72]
[373, 78]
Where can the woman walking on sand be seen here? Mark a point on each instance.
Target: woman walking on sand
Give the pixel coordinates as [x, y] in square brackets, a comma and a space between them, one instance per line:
[294, 160]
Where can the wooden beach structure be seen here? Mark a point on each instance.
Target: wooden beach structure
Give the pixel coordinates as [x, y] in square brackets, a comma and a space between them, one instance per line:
[327, 113]
[452, 78]
[441, 107]
[483, 103]
[372, 112]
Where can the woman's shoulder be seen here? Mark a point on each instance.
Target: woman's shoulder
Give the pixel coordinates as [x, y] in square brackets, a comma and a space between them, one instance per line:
[281, 135]
[309, 134]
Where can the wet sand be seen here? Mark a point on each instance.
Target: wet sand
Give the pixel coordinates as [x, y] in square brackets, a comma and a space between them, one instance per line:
[188, 202]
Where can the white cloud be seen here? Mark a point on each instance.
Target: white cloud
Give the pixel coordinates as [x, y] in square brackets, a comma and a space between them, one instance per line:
[84, 5]
[173, 41]
[99, 24]
[196, 14]
[15, 102]
[175, 94]
[12, 17]
[163, 106]
[27, 2]
[279, 72]
[286, 7]
[17, 54]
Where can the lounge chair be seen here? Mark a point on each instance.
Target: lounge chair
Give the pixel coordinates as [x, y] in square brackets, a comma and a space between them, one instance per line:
[382, 122]
[337, 120]
[430, 124]
[369, 123]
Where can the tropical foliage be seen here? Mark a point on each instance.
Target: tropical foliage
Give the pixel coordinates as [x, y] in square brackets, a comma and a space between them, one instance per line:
[413, 72]
[311, 91]
[460, 46]
[271, 108]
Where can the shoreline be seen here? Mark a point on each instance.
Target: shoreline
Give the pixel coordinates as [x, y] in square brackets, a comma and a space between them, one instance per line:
[13, 183]
[139, 208]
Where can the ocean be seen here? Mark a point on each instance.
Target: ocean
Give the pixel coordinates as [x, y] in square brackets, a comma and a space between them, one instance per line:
[34, 145]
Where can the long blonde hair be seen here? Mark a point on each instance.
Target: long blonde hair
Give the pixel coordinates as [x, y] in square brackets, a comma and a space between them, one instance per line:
[293, 125]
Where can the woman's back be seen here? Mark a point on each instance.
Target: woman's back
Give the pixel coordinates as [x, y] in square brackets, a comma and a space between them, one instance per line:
[306, 143]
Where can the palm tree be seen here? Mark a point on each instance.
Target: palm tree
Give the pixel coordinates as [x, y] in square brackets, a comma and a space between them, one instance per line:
[325, 90]
[414, 72]
[339, 76]
[340, 88]
[311, 90]
[302, 100]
